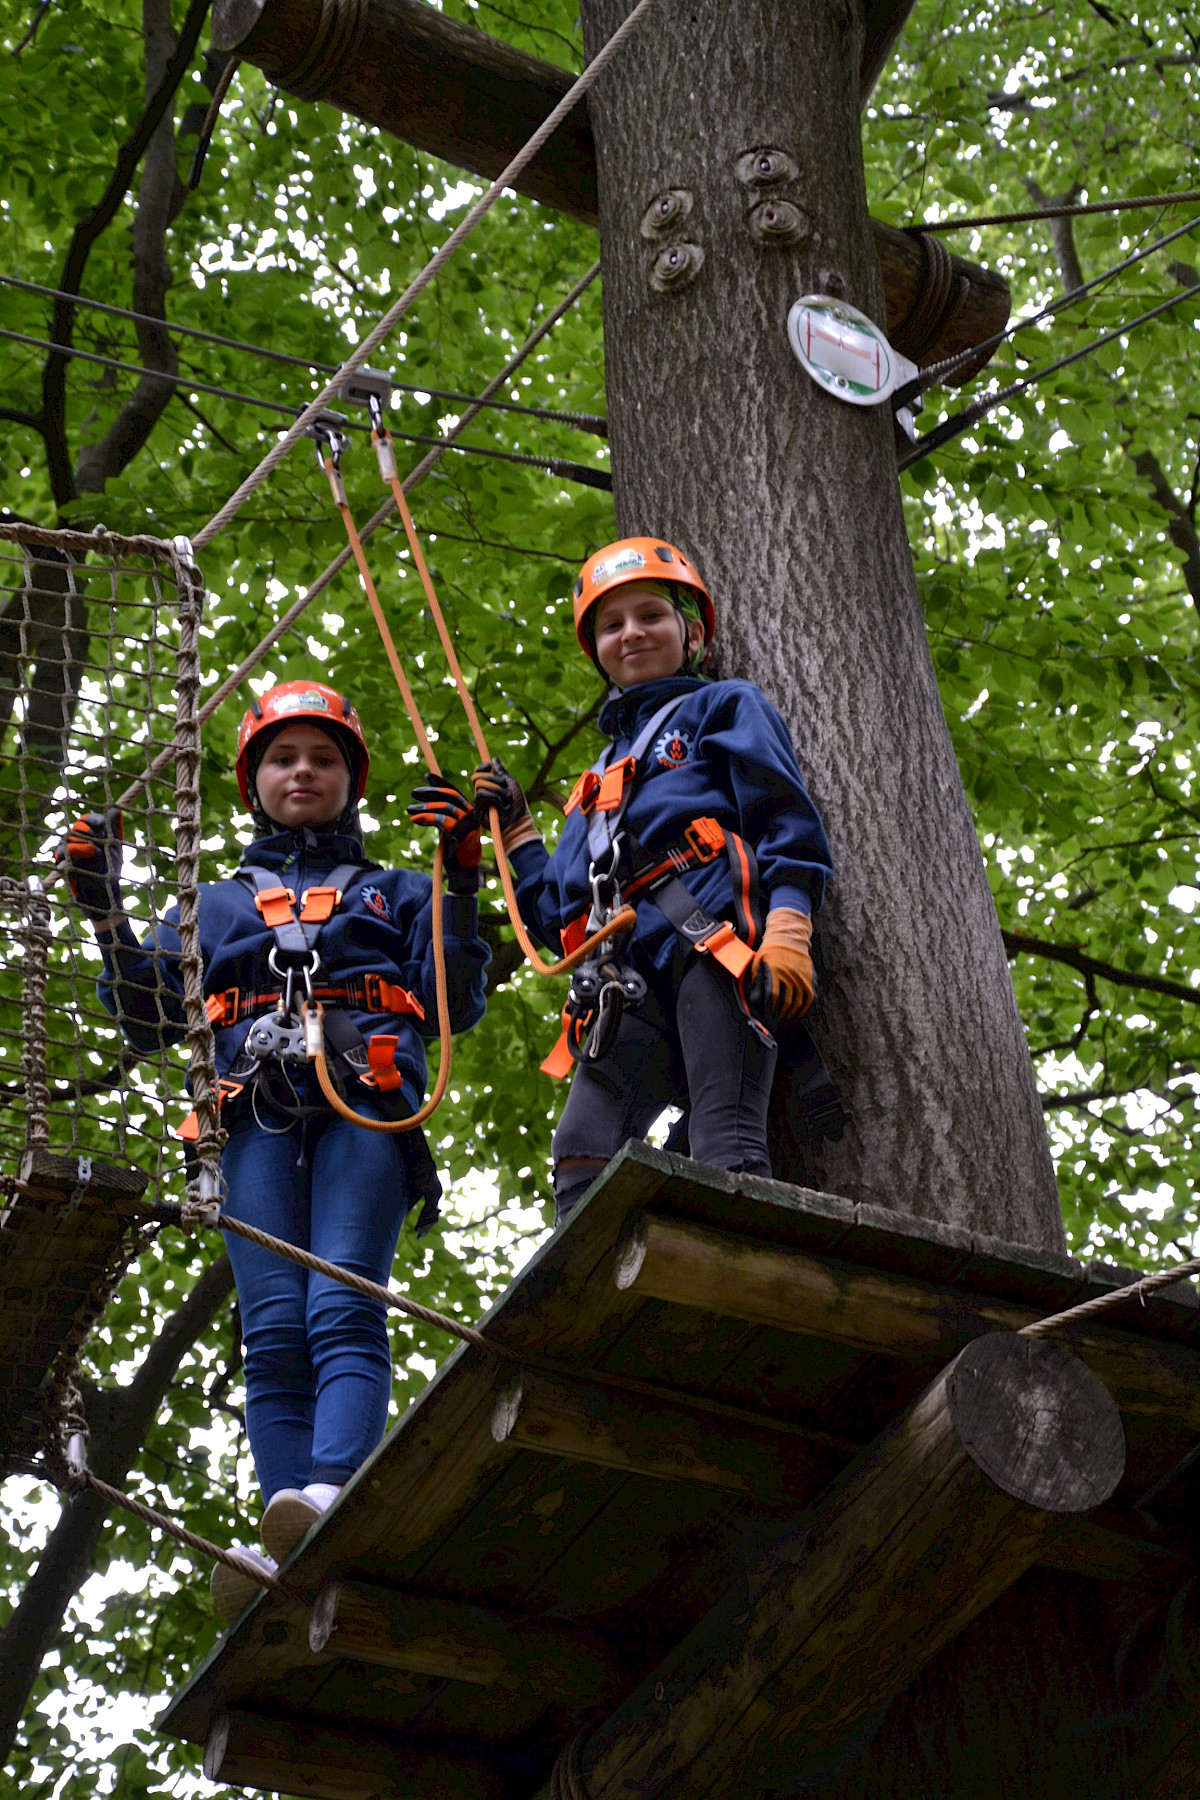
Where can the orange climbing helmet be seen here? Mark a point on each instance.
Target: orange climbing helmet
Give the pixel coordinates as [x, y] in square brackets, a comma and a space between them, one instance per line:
[637, 559]
[306, 703]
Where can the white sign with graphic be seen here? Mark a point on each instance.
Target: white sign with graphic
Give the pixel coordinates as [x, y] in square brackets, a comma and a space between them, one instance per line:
[845, 351]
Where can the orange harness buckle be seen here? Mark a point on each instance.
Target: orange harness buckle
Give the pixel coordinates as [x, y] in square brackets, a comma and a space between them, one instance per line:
[388, 997]
[222, 1008]
[275, 905]
[728, 948]
[320, 904]
[574, 934]
[381, 1055]
[584, 792]
[612, 784]
[189, 1131]
[705, 838]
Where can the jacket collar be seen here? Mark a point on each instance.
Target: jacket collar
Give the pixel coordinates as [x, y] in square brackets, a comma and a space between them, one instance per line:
[284, 849]
[627, 708]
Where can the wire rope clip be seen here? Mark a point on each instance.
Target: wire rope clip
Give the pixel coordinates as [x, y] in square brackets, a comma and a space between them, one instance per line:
[847, 354]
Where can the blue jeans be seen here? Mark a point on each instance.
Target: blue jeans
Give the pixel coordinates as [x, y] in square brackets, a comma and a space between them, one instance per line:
[318, 1362]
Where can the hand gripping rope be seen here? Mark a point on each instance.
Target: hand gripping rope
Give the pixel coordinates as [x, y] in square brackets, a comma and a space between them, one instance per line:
[369, 388]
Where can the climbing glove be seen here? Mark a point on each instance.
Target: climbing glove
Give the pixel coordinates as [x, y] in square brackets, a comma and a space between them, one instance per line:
[438, 802]
[781, 975]
[90, 858]
[495, 787]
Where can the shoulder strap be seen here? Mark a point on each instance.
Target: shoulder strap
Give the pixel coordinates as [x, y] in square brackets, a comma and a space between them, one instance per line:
[603, 826]
[298, 936]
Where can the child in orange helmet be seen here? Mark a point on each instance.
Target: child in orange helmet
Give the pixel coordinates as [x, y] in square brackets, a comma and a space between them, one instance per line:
[697, 814]
[318, 1365]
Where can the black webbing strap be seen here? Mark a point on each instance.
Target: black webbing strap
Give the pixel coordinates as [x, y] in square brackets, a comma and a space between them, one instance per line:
[292, 938]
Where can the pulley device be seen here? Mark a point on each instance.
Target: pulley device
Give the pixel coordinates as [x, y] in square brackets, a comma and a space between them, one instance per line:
[847, 354]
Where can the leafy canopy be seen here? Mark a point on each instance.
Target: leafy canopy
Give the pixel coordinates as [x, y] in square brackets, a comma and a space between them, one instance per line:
[1052, 545]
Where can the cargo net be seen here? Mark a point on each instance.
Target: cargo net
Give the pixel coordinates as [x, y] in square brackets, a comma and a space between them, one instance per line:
[99, 694]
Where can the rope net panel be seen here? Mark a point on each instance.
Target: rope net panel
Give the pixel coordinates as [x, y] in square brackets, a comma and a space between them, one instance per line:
[99, 695]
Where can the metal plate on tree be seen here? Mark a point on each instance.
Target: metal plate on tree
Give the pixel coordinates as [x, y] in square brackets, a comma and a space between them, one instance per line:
[844, 350]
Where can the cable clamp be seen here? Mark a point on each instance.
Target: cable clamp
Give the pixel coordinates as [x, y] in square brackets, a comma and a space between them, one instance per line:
[83, 1181]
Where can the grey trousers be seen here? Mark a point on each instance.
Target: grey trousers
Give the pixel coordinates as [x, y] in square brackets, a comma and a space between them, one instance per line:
[689, 1045]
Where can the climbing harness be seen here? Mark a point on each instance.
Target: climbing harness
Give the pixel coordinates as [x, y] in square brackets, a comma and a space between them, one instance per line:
[620, 868]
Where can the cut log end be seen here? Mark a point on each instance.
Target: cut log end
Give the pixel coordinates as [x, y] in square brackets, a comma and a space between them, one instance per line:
[1037, 1422]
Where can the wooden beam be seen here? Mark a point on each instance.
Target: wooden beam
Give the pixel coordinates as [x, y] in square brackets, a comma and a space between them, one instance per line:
[456, 1642]
[473, 100]
[667, 1440]
[295, 1756]
[879, 1311]
[421, 76]
[942, 1514]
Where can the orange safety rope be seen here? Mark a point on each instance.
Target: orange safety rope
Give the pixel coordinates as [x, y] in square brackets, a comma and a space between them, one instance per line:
[313, 1021]
[623, 920]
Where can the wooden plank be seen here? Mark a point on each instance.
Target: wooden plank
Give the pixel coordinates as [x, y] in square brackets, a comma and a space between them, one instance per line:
[249, 1749]
[414, 72]
[872, 1309]
[462, 1643]
[920, 1535]
[668, 1441]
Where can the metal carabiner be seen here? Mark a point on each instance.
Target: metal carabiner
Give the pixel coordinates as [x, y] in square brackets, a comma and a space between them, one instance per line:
[605, 909]
[288, 976]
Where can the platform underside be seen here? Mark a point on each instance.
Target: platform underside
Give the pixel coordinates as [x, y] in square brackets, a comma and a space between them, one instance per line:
[619, 1519]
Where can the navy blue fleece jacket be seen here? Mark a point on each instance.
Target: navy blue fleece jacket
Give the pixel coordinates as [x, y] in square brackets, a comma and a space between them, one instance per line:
[725, 754]
[384, 926]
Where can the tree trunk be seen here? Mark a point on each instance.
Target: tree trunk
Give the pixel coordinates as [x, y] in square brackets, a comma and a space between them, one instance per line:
[789, 501]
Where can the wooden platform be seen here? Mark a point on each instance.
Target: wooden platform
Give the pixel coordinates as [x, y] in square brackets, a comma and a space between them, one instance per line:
[527, 1546]
[60, 1258]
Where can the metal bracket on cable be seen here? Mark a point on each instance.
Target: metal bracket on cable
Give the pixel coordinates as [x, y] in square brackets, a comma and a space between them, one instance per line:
[371, 388]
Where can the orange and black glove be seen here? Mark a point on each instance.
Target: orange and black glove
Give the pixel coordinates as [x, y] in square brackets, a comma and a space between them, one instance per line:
[90, 858]
[438, 802]
[495, 787]
[781, 975]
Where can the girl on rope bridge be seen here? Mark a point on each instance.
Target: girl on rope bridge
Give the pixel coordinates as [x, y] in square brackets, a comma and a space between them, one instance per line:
[697, 815]
[306, 898]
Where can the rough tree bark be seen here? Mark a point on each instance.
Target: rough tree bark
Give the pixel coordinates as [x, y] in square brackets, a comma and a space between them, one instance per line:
[120, 1420]
[789, 500]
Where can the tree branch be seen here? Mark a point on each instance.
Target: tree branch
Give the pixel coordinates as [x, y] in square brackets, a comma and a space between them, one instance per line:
[67, 1560]
[86, 233]
[1181, 526]
[1016, 943]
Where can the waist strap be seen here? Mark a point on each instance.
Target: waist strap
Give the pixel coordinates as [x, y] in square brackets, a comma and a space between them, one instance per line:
[361, 993]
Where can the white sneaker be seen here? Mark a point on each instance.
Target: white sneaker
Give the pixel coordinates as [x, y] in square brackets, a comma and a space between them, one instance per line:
[232, 1591]
[291, 1513]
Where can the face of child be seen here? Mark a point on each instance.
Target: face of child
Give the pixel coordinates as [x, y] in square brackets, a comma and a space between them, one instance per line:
[303, 778]
[640, 636]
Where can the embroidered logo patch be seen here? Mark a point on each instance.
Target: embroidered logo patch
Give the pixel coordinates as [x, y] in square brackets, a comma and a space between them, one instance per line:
[374, 900]
[674, 748]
